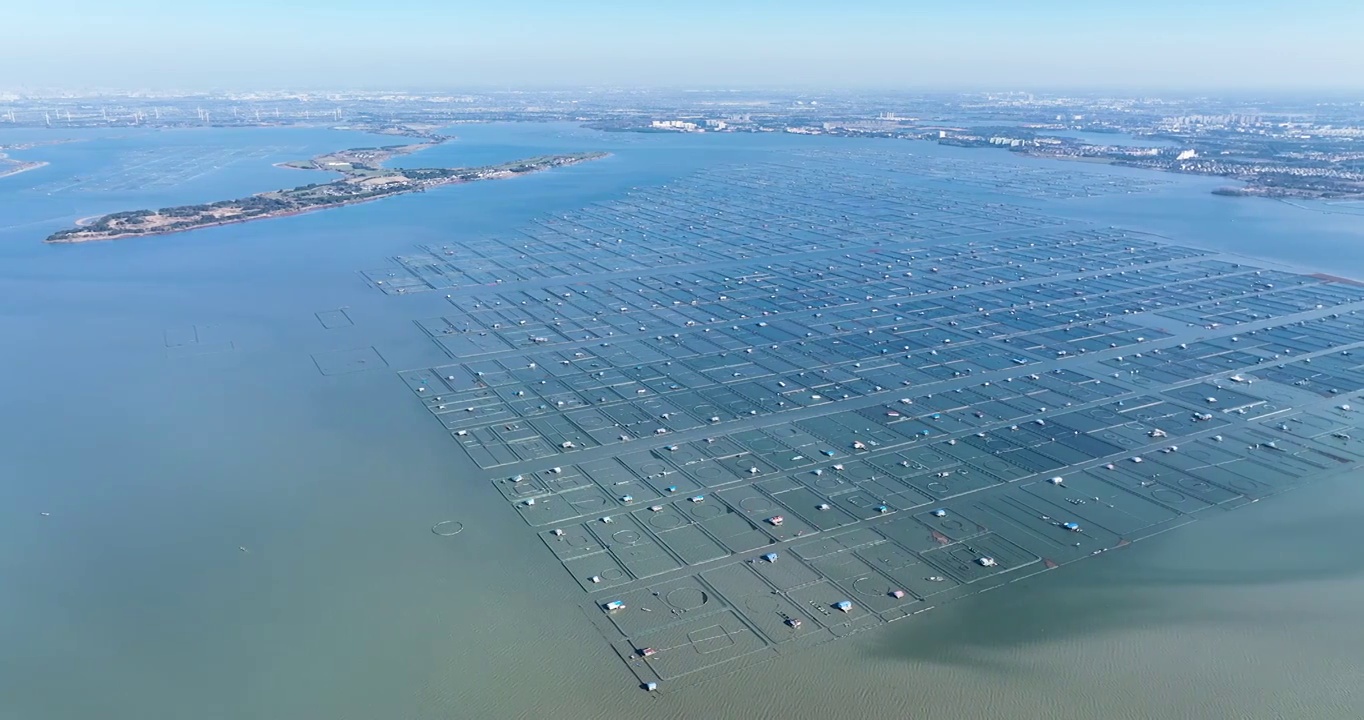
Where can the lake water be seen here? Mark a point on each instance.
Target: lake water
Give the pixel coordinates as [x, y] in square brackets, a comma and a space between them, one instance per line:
[163, 404]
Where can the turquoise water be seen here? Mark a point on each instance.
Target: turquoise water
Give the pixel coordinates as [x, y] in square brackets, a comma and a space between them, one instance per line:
[158, 460]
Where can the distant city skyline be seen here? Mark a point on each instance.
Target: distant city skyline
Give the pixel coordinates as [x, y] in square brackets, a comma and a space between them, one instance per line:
[989, 44]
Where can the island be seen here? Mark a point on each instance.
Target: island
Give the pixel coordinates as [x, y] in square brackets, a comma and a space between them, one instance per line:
[10, 166]
[363, 178]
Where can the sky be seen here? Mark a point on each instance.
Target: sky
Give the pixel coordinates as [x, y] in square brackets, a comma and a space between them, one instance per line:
[428, 44]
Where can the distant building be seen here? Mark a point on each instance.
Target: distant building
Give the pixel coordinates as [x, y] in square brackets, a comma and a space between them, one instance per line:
[676, 125]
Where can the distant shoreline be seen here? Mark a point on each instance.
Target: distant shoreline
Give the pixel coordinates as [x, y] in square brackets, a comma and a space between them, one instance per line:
[219, 223]
[364, 184]
[23, 167]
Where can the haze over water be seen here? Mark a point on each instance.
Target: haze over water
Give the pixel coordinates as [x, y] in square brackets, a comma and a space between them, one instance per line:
[157, 460]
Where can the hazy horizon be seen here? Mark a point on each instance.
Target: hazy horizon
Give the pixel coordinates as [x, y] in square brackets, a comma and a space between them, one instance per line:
[873, 45]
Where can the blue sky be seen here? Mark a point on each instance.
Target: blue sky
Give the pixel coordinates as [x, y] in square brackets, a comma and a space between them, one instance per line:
[994, 44]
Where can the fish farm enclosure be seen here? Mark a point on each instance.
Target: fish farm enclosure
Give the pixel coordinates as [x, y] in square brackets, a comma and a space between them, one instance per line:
[774, 404]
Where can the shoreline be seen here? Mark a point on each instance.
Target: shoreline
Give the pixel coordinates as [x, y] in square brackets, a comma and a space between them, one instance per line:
[379, 156]
[385, 154]
[219, 223]
[24, 167]
[495, 175]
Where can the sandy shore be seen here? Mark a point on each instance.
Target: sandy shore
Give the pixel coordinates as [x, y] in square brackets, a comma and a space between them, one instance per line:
[22, 168]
